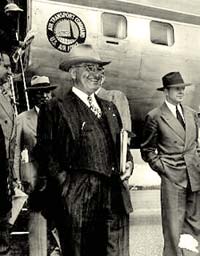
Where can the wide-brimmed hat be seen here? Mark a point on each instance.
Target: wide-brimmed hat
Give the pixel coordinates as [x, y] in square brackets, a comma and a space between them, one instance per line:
[12, 7]
[83, 53]
[40, 83]
[172, 79]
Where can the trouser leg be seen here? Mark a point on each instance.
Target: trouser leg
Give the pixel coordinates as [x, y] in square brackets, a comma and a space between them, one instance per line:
[4, 238]
[173, 206]
[37, 235]
[118, 235]
[192, 217]
[83, 231]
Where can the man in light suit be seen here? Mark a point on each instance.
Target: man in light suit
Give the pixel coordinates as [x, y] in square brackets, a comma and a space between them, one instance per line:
[121, 102]
[25, 165]
[170, 143]
[7, 122]
[78, 151]
[7, 115]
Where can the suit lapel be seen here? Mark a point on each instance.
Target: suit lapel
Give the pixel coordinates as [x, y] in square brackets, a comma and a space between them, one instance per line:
[6, 106]
[68, 107]
[110, 115]
[172, 122]
[32, 117]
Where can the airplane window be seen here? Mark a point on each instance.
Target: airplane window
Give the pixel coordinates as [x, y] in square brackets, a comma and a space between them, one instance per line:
[114, 25]
[161, 33]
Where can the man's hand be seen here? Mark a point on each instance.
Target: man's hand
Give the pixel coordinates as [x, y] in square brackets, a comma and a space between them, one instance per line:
[128, 171]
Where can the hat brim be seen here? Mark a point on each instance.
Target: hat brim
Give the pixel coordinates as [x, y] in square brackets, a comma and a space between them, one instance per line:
[14, 10]
[173, 86]
[66, 65]
[44, 88]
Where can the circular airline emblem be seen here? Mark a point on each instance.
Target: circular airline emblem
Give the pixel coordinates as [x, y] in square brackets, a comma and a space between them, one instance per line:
[64, 30]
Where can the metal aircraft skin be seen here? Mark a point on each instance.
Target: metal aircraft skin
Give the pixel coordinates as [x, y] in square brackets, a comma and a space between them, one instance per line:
[143, 39]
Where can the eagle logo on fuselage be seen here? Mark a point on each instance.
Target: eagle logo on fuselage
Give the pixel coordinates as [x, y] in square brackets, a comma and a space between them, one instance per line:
[64, 30]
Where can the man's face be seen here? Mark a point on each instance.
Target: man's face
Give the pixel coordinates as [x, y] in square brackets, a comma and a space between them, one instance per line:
[40, 96]
[88, 77]
[175, 95]
[5, 69]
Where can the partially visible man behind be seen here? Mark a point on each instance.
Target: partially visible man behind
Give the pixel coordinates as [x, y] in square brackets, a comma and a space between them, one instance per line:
[121, 102]
[170, 143]
[7, 122]
[25, 165]
[78, 151]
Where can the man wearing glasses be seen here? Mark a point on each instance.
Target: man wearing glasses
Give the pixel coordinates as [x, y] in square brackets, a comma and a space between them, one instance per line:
[78, 151]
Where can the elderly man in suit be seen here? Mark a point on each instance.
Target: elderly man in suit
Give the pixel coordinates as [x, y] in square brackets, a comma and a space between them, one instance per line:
[78, 146]
[170, 143]
[25, 165]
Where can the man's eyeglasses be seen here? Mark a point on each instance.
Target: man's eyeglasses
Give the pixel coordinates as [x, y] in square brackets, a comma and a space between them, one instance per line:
[92, 68]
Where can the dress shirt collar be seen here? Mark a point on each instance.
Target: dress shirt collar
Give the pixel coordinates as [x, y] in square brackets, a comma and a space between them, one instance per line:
[83, 96]
[172, 108]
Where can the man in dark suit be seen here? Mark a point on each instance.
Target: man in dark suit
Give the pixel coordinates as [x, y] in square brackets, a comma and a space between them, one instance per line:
[170, 142]
[78, 151]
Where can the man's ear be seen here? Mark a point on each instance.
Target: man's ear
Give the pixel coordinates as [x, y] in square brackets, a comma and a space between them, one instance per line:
[72, 72]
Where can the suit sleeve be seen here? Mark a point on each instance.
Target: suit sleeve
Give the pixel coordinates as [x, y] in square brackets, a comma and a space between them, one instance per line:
[149, 145]
[43, 148]
[53, 142]
[5, 197]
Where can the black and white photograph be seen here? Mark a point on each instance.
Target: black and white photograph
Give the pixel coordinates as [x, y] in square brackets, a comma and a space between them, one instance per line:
[99, 128]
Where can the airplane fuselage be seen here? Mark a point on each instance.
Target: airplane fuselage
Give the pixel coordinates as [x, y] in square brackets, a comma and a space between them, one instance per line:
[142, 42]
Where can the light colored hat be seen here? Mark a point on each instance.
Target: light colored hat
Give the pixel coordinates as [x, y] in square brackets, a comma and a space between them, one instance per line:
[11, 7]
[172, 79]
[83, 53]
[40, 83]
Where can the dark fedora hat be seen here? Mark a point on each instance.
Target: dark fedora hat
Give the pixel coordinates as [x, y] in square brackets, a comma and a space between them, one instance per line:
[40, 83]
[172, 79]
[83, 53]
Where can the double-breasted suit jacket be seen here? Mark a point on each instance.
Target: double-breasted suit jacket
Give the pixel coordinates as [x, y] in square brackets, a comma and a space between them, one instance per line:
[26, 126]
[169, 149]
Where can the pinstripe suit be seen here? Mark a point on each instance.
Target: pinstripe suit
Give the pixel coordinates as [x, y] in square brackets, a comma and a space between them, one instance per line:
[79, 156]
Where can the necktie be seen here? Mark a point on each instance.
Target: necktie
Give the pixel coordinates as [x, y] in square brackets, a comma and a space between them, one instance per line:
[94, 109]
[179, 117]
